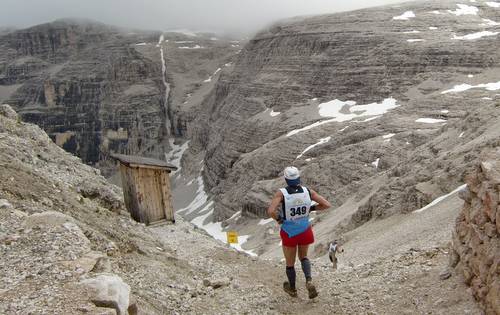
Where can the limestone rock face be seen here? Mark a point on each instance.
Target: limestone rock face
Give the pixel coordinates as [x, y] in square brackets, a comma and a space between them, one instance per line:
[476, 238]
[250, 127]
[73, 78]
[97, 89]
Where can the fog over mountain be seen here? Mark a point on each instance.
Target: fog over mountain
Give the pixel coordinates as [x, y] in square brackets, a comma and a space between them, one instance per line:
[223, 16]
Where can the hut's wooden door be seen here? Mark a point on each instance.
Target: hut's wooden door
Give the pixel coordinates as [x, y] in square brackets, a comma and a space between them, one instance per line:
[150, 194]
[130, 192]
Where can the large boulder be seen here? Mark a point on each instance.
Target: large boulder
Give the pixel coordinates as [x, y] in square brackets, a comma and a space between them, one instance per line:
[109, 290]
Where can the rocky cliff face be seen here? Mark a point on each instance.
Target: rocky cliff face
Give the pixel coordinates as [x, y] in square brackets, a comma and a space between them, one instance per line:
[408, 146]
[85, 84]
[97, 89]
[476, 237]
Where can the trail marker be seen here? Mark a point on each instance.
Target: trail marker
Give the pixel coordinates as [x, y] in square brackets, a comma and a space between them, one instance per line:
[232, 237]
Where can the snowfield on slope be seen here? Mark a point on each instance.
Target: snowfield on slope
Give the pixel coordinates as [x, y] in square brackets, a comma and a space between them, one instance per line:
[336, 109]
[464, 87]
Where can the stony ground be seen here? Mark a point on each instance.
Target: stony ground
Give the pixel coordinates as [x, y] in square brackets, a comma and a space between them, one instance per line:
[61, 224]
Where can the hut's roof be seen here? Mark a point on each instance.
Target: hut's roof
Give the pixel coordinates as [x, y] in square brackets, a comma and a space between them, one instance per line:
[139, 161]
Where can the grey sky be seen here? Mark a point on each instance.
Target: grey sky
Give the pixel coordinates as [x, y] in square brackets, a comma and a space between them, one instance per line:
[201, 15]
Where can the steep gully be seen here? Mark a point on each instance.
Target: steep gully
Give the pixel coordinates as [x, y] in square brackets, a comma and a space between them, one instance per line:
[201, 207]
[165, 82]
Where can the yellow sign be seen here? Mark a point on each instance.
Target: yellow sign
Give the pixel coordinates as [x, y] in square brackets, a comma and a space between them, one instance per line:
[232, 237]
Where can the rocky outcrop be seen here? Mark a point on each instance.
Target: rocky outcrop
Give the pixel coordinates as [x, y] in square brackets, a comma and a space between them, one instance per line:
[476, 238]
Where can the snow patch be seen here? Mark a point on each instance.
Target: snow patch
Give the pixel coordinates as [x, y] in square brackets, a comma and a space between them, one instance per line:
[265, 221]
[473, 36]
[194, 47]
[274, 114]
[464, 9]
[487, 98]
[174, 156]
[430, 120]
[411, 32]
[343, 128]
[405, 16]
[461, 135]
[141, 44]
[210, 77]
[200, 199]
[415, 40]
[333, 109]
[441, 198]
[470, 76]
[493, 4]
[214, 229]
[464, 87]
[371, 118]
[235, 215]
[488, 22]
[436, 12]
[184, 42]
[376, 162]
[433, 28]
[320, 142]
[445, 111]
[388, 136]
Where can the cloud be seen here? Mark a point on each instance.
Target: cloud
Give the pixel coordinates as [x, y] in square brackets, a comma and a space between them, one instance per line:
[233, 16]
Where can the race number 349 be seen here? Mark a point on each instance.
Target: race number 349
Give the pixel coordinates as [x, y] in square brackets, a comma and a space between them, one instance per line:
[298, 211]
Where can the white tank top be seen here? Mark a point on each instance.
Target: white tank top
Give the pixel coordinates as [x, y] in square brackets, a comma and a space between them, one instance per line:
[298, 205]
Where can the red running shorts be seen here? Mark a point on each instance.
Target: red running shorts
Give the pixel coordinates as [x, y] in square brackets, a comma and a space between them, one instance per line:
[304, 238]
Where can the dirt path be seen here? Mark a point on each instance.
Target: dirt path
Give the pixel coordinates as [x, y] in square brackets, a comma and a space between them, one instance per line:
[402, 283]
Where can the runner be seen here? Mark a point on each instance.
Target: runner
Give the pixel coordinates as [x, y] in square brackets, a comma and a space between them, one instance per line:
[332, 253]
[296, 232]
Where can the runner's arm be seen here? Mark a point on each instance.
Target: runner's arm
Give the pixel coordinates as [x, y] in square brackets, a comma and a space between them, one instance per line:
[275, 202]
[323, 204]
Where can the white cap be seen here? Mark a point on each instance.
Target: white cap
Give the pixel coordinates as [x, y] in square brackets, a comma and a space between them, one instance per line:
[291, 172]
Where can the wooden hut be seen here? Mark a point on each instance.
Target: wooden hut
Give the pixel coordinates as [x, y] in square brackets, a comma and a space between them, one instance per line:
[146, 188]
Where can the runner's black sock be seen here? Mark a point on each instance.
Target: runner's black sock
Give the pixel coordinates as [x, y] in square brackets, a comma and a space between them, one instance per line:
[290, 273]
[306, 267]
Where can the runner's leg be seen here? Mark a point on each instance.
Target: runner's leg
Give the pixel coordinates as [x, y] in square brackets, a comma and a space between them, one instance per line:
[290, 253]
[306, 268]
[304, 261]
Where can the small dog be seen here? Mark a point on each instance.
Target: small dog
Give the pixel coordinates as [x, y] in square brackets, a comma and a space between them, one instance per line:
[332, 251]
